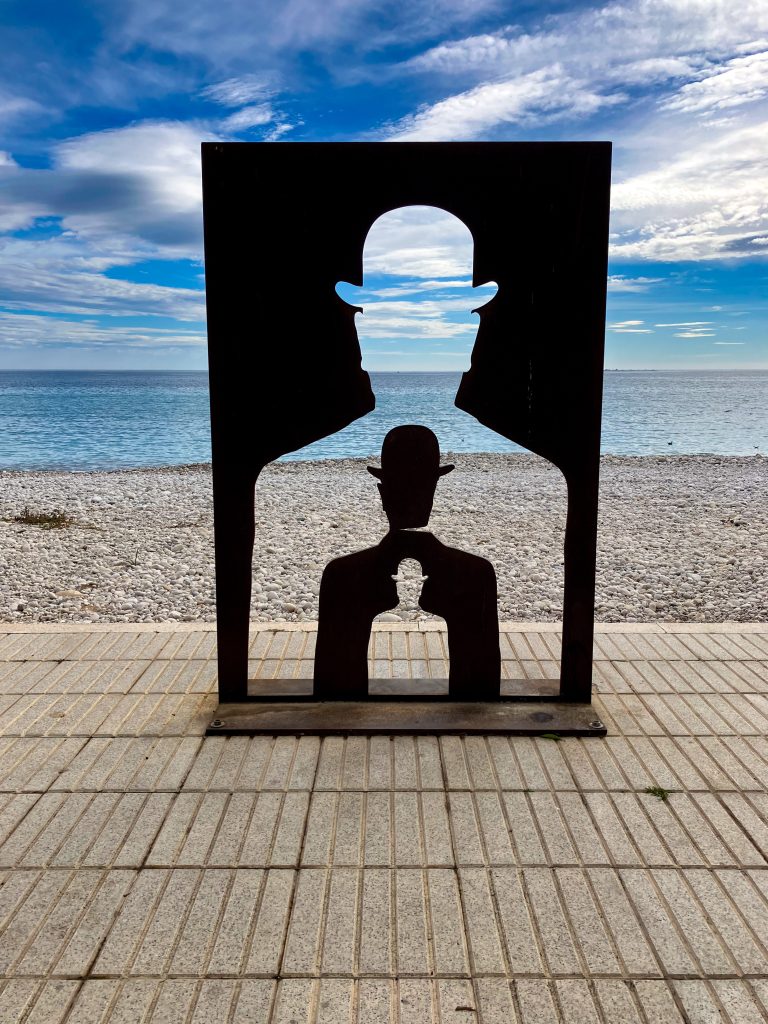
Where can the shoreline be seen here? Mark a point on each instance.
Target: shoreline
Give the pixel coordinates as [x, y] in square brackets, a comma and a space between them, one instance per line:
[682, 538]
[607, 458]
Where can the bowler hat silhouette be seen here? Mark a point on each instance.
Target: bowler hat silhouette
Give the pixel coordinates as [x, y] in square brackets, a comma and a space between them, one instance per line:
[410, 452]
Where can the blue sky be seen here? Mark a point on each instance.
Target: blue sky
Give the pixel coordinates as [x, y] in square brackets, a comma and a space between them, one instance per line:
[103, 105]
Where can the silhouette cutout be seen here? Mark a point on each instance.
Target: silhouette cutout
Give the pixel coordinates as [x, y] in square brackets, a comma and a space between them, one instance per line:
[284, 223]
[460, 587]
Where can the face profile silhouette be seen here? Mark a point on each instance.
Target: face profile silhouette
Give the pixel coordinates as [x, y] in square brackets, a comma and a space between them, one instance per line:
[418, 288]
[410, 470]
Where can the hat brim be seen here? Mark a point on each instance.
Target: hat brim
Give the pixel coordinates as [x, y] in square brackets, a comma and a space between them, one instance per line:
[378, 472]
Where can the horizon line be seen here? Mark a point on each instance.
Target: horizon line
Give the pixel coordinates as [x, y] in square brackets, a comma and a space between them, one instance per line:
[155, 369]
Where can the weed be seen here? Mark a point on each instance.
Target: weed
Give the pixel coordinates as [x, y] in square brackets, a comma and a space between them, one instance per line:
[54, 520]
[555, 736]
[659, 792]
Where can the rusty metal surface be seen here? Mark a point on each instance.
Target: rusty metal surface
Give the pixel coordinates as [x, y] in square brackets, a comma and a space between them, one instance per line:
[282, 219]
[413, 717]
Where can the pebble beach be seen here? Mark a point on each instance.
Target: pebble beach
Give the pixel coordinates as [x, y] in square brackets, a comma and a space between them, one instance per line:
[681, 538]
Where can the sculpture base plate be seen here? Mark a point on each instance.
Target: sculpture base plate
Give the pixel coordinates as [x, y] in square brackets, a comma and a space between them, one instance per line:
[516, 717]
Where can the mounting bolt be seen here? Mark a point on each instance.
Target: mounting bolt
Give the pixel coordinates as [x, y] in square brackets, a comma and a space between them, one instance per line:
[217, 723]
[597, 724]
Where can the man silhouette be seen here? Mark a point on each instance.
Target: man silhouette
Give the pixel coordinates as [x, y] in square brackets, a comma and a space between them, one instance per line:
[460, 587]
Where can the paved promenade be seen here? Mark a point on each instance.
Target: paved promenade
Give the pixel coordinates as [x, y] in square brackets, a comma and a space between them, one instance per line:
[152, 874]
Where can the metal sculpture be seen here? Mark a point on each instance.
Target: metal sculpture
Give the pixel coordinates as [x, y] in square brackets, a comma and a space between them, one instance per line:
[286, 217]
[460, 587]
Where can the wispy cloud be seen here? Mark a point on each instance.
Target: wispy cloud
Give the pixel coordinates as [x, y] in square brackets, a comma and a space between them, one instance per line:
[63, 275]
[598, 49]
[426, 319]
[540, 96]
[706, 201]
[248, 117]
[31, 331]
[234, 33]
[680, 86]
[737, 82]
[629, 327]
[280, 129]
[238, 92]
[620, 283]
[14, 107]
[420, 242]
[680, 194]
[414, 287]
[140, 182]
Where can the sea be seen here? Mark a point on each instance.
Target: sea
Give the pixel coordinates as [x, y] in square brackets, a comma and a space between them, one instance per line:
[100, 420]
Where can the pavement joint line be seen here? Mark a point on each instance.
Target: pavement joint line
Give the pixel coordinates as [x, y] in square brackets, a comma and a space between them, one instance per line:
[687, 876]
[428, 626]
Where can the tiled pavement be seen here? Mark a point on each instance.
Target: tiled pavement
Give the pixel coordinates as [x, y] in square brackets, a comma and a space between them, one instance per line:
[149, 873]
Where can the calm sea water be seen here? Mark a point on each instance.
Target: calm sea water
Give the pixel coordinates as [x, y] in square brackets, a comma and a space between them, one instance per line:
[103, 420]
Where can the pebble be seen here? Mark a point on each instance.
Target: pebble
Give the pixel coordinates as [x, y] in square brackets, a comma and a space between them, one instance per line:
[681, 538]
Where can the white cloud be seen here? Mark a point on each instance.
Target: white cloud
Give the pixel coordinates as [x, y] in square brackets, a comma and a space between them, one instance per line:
[633, 40]
[280, 129]
[239, 33]
[681, 193]
[13, 108]
[577, 62]
[63, 275]
[25, 330]
[416, 286]
[689, 323]
[161, 162]
[627, 323]
[619, 283]
[421, 308]
[141, 182]
[243, 92]
[248, 117]
[421, 318]
[122, 196]
[372, 326]
[419, 242]
[395, 247]
[704, 200]
[539, 96]
[695, 334]
[237, 92]
[737, 82]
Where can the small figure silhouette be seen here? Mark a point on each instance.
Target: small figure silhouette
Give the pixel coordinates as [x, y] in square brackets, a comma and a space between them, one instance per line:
[460, 587]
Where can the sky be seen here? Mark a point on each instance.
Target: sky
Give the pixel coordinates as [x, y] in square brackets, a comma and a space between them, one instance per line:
[103, 106]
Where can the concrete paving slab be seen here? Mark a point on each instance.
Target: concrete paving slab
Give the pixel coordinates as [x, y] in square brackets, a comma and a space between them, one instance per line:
[148, 872]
